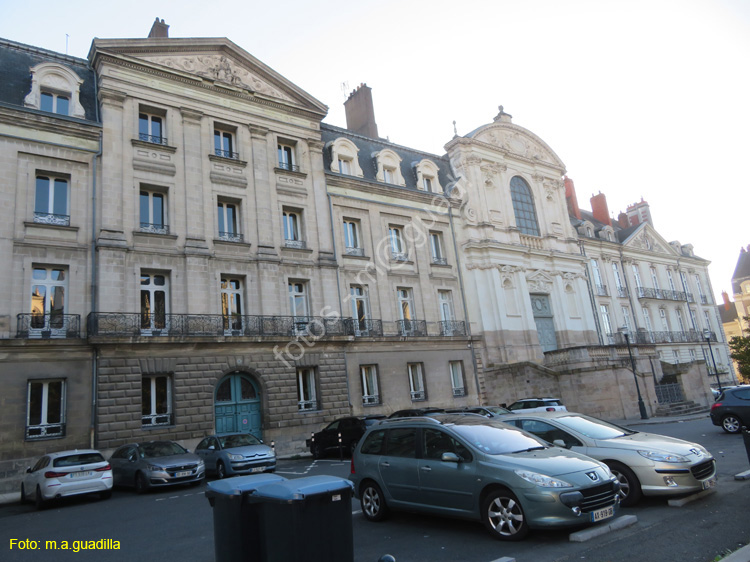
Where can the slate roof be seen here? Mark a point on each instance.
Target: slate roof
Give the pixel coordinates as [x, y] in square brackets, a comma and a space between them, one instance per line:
[367, 162]
[741, 272]
[727, 315]
[16, 59]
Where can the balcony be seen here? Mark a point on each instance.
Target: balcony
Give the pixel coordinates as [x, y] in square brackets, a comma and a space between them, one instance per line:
[150, 228]
[363, 328]
[51, 218]
[663, 294]
[602, 291]
[226, 154]
[644, 338]
[439, 261]
[48, 326]
[230, 237]
[295, 244]
[288, 167]
[411, 327]
[452, 328]
[459, 391]
[418, 395]
[153, 139]
[399, 256]
[622, 292]
[307, 405]
[352, 251]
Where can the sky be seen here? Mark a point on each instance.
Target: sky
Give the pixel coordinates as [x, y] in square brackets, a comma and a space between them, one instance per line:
[640, 99]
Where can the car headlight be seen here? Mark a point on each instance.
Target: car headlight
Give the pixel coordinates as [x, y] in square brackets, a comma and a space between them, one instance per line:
[201, 464]
[662, 457]
[233, 457]
[542, 480]
[155, 468]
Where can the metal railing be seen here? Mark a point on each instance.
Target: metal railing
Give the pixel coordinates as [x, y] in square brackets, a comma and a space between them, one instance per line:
[439, 261]
[452, 328]
[643, 337]
[417, 395]
[663, 294]
[230, 236]
[399, 256]
[411, 327]
[154, 228]
[459, 391]
[602, 291]
[364, 328]
[45, 431]
[307, 405]
[227, 154]
[370, 399]
[153, 139]
[353, 251]
[295, 244]
[48, 326]
[51, 218]
[622, 292]
[288, 166]
[669, 393]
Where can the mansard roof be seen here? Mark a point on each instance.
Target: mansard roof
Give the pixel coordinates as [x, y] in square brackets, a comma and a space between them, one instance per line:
[741, 271]
[368, 147]
[16, 61]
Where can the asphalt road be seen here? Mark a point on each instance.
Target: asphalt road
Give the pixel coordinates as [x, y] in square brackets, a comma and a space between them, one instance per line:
[177, 524]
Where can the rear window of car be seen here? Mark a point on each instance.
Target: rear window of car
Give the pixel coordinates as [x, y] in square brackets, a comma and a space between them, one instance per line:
[77, 459]
[742, 393]
[552, 403]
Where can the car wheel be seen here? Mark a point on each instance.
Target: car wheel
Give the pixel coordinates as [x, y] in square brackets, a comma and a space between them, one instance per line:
[316, 451]
[731, 423]
[105, 495]
[39, 499]
[141, 484]
[221, 471]
[630, 487]
[372, 502]
[503, 516]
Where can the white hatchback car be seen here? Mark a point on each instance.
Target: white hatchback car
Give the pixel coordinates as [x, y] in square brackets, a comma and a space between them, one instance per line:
[528, 405]
[67, 473]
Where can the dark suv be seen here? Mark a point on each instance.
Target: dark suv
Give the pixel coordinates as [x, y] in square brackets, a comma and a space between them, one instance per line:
[732, 409]
[350, 428]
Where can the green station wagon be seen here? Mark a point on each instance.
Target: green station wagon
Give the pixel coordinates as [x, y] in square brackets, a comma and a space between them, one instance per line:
[470, 467]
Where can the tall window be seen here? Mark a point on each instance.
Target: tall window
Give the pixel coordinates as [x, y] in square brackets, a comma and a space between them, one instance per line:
[680, 323]
[654, 278]
[670, 280]
[702, 296]
[445, 302]
[153, 212]
[298, 300]
[436, 247]
[286, 157]
[154, 302]
[664, 320]
[606, 320]
[307, 396]
[647, 319]
[352, 242]
[457, 378]
[48, 287]
[388, 175]
[707, 320]
[55, 103]
[231, 303]
[45, 409]
[398, 248]
[360, 309]
[51, 201]
[150, 128]
[224, 144]
[694, 319]
[345, 166]
[416, 381]
[616, 273]
[523, 206]
[601, 288]
[626, 318]
[156, 400]
[370, 392]
[405, 311]
[293, 229]
[637, 277]
[427, 183]
[227, 220]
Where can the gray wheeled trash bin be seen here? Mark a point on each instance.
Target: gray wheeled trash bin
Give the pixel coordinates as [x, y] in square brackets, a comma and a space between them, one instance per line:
[236, 525]
[306, 520]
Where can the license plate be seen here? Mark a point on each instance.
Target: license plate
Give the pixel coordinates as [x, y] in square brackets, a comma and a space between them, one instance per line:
[84, 474]
[601, 514]
[257, 469]
[182, 474]
[709, 483]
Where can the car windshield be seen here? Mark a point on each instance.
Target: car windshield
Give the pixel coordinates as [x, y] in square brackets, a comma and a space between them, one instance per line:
[499, 439]
[239, 440]
[594, 428]
[160, 449]
[78, 459]
[497, 410]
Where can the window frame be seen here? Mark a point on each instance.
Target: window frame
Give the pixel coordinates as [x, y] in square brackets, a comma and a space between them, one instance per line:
[148, 115]
[397, 244]
[457, 391]
[47, 429]
[152, 193]
[292, 225]
[287, 158]
[222, 218]
[154, 322]
[44, 211]
[232, 296]
[415, 374]
[225, 142]
[373, 398]
[307, 389]
[524, 208]
[167, 417]
[437, 249]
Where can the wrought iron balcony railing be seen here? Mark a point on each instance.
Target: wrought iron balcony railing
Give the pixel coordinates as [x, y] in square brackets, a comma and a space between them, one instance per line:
[352, 251]
[452, 328]
[622, 292]
[601, 290]
[154, 228]
[411, 327]
[230, 236]
[46, 326]
[439, 260]
[227, 154]
[51, 218]
[644, 337]
[153, 139]
[363, 328]
[295, 244]
[307, 404]
[459, 391]
[418, 395]
[663, 294]
[370, 399]
[399, 256]
[45, 431]
[288, 166]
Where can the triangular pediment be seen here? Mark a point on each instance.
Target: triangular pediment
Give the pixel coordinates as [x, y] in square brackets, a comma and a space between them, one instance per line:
[517, 140]
[539, 281]
[219, 61]
[647, 239]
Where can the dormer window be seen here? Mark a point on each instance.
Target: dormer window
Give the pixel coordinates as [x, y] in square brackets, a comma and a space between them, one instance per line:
[427, 176]
[389, 167]
[345, 166]
[56, 89]
[344, 157]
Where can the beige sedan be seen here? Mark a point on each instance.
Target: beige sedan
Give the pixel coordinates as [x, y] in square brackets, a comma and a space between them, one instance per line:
[644, 463]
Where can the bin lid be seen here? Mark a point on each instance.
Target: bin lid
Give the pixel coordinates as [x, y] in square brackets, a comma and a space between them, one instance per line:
[238, 485]
[300, 488]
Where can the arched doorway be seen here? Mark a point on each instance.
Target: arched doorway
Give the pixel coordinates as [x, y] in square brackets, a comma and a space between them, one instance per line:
[237, 405]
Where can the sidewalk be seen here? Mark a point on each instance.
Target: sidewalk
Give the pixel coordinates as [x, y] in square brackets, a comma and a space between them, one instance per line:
[661, 420]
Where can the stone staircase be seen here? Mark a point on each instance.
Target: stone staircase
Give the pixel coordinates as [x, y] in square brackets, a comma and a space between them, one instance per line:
[682, 408]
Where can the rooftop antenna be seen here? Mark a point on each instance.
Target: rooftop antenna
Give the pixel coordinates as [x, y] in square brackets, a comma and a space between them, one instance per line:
[345, 89]
[66, 43]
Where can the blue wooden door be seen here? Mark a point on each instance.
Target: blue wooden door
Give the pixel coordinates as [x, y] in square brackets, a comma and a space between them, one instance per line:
[237, 405]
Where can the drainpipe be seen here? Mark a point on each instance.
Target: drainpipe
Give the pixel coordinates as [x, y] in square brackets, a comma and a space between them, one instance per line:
[594, 308]
[463, 302]
[95, 354]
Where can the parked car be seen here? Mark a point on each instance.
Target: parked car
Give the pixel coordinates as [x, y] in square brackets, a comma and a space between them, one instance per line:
[351, 429]
[154, 464]
[475, 468]
[415, 412]
[67, 473]
[538, 405]
[644, 463]
[236, 453]
[732, 409]
[486, 411]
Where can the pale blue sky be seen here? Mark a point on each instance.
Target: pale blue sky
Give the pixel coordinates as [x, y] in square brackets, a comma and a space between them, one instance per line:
[640, 98]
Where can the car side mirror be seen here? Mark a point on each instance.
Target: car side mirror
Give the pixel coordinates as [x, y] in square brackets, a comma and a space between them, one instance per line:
[450, 457]
[28, 470]
[211, 448]
[560, 443]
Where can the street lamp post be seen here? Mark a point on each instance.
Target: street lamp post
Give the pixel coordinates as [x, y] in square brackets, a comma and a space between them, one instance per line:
[707, 335]
[641, 406]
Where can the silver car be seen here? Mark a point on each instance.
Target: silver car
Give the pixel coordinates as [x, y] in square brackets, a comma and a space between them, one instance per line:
[154, 464]
[236, 453]
[471, 467]
[644, 463]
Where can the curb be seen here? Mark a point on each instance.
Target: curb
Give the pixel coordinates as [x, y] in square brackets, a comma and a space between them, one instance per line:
[741, 555]
[619, 523]
[691, 498]
[742, 475]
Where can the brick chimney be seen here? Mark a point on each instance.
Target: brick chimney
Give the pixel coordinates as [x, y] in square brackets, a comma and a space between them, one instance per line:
[360, 114]
[622, 220]
[639, 212]
[571, 198]
[599, 208]
[725, 296]
[159, 29]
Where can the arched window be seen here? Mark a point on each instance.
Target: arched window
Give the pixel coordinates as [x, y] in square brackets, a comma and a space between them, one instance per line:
[523, 206]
